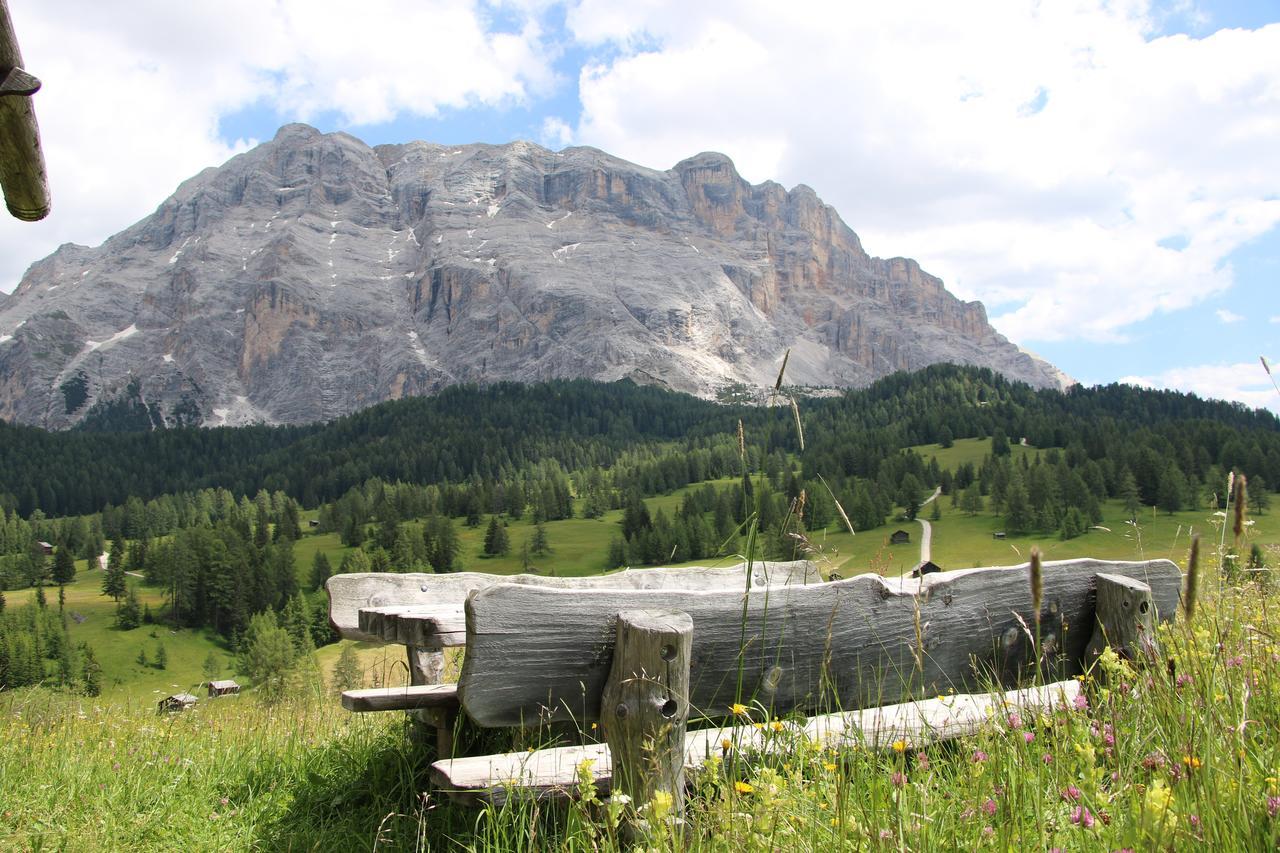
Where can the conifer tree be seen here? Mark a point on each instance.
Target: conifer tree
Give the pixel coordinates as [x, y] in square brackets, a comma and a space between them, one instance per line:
[162, 657]
[64, 566]
[113, 580]
[539, 545]
[346, 672]
[212, 666]
[129, 613]
[321, 571]
[92, 672]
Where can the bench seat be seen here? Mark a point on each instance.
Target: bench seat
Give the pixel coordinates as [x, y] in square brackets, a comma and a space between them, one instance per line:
[553, 773]
[414, 697]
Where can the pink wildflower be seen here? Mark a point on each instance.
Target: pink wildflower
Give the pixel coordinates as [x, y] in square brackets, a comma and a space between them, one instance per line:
[979, 756]
[1081, 815]
[1273, 806]
[1028, 737]
[922, 761]
[1047, 758]
[987, 832]
[898, 779]
[1235, 661]
[886, 835]
[989, 806]
[1015, 721]
[1080, 702]
[1070, 793]
[1184, 679]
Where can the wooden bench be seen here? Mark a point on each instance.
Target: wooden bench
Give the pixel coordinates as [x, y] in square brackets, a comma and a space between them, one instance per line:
[869, 655]
[425, 613]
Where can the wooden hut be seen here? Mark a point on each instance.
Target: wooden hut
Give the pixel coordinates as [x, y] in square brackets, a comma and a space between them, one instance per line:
[223, 688]
[899, 537]
[176, 702]
[928, 567]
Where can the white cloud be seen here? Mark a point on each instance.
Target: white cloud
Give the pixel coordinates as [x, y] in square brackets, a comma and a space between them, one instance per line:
[1226, 316]
[133, 91]
[1276, 319]
[1245, 383]
[556, 133]
[1053, 160]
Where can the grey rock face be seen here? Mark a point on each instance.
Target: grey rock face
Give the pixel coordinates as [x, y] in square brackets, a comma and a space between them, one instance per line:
[315, 275]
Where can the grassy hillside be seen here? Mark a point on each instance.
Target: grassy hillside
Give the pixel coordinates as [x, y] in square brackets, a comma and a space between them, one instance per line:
[1146, 761]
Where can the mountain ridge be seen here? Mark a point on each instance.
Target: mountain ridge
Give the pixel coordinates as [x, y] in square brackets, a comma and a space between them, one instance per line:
[314, 275]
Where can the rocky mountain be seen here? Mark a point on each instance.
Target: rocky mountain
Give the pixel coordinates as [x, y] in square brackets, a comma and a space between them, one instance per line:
[314, 275]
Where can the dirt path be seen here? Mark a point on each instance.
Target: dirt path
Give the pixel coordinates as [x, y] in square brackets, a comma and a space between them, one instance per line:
[926, 538]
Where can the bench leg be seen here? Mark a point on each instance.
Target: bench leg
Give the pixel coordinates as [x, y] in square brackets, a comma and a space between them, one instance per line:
[426, 666]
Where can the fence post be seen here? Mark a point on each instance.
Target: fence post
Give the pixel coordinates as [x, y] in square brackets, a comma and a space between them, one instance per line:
[1125, 619]
[645, 706]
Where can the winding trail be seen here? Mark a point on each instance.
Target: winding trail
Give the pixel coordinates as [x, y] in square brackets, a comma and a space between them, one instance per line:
[926, 538]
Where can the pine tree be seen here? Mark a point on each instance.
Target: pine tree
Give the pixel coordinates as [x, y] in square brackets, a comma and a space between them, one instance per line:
[64, 566]
[267, 656]
[346, 672]
[142, 657]
[162, 657]
[496, 541]
[1127, 492]
[539, 545]
[212, 666]
[40, 599]
[129, 614]
[321, 571]
[92, 673]
[113, 580]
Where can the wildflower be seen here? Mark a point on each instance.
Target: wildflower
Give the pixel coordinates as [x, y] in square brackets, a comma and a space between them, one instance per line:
[1047, 758]
[743, 787]
[1273, 806]
[1184, 679]
[738, 709]
[776, 725]
[1080, 702]
[988, 831]
[1081, 815]
[886, 835]
[660, 805]
[1152, 761]
[1235, 661]
[1070, 793]
[979, 756]
[828, 766]
[922, 761]
[989, 807]
[1191, 762]
[726, 744]
[1015, 721]
[1028, 737]
[898, 779]
[1194, 820]
[899, 746]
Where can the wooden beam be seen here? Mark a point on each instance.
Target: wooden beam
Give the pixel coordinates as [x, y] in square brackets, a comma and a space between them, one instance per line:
[22, 170]
[351, 593]
[553, 773]
[410, 698]
[538, 655]
[1124, 619]
[646, 706]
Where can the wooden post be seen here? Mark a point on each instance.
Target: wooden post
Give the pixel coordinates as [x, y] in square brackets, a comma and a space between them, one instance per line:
[645, 705]
[1125, 619]
[426, 666]
[22, 173]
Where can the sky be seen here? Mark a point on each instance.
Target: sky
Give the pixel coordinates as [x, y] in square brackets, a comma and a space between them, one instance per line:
[1103, 176]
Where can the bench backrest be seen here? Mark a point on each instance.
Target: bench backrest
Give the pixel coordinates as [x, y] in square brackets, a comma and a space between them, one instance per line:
[348, 594]
[540, 654]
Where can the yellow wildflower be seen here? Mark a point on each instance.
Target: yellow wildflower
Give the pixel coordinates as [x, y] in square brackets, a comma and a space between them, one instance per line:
[829, 767]
[738, 709]
[743, 787]
[1191, 761]
[726, 744]
[899, 746]
[776, 725]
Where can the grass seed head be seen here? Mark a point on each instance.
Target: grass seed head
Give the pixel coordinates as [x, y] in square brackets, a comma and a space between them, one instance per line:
[1193, 578]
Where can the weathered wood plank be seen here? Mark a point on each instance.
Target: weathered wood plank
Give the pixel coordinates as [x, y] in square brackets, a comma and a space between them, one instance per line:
[855, 643]
[22, 171]
[551, 773]
[646, 704]
[350, 593]
[410, 698]
[1124, 619]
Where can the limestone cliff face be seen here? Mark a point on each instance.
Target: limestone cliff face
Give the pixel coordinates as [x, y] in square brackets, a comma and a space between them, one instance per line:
[314, 275]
